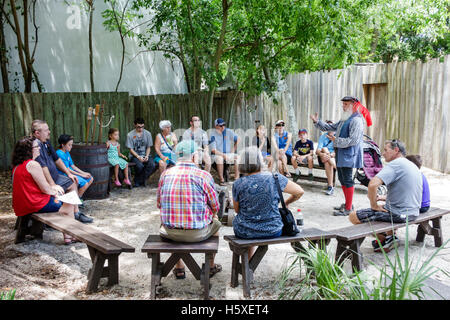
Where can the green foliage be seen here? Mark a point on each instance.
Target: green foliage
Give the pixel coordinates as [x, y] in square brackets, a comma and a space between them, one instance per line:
[9, 295]
[399, 278]
[266, 40]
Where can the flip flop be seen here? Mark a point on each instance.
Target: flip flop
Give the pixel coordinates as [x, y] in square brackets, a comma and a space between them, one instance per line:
[177, 271]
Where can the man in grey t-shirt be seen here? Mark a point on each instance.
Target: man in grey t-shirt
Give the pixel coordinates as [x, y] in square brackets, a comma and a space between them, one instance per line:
[140, 141]
[404, 196]
[196, 133]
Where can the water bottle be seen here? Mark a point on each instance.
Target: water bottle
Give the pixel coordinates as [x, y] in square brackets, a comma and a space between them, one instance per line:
[299, 219]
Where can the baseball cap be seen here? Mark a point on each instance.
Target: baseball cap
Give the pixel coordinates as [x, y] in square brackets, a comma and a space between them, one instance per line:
[302, 130]
[185, 148]
[219, 122]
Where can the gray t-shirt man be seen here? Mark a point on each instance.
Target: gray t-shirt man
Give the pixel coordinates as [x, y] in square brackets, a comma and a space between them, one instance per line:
[199, 136]
[139, 143]
[404, 183]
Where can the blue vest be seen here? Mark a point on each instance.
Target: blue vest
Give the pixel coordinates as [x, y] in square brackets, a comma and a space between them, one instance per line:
[350, 157]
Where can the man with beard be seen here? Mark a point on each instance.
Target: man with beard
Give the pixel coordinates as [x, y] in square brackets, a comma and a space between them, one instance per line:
[348, 144]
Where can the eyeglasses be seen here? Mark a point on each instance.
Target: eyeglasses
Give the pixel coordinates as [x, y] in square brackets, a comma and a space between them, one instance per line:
[36, 147]
[279, 125]
[140, 127]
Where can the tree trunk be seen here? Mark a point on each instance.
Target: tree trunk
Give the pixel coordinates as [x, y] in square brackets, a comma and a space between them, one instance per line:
[3, 52]
[91, 64]
[217, 56]
[20, 48]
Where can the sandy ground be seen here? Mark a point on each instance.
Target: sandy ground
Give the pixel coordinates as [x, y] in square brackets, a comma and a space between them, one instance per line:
[47, 269]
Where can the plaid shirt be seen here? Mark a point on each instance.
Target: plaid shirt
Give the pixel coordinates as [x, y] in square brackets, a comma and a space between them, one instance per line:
[187, 197]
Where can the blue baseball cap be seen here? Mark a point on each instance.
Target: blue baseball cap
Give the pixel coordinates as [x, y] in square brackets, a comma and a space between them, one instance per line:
[302, 130]
[219, 122]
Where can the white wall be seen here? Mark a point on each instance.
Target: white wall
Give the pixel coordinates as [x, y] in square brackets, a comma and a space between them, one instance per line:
[62, 55]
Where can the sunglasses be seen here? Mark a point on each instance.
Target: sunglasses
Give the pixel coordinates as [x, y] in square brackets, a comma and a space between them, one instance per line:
[140, 127]
[279, 125]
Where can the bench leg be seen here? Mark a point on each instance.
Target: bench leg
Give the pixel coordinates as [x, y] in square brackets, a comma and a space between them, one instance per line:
[22, 228]
[156, 274]
[235, 270]
[205, 275]
[357, 258]
[37, 229]
[245, 274]
[420, 233]
[113, 268]
[437, 232]
[341, 251]
[96, 272]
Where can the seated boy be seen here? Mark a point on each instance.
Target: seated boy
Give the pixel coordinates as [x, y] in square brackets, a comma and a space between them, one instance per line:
[327, 157]
[303, 153]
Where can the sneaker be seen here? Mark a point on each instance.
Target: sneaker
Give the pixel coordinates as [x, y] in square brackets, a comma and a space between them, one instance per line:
[296, 177]
[310, 177]
[83, 218]
[342, 213]
[387, 244]
[117, 183]
[330, 191]
[127, 182]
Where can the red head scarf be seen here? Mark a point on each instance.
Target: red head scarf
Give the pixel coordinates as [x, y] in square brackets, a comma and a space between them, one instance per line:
[357, 106]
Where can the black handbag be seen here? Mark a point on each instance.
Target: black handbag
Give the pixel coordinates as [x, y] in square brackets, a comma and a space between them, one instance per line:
[289, 225]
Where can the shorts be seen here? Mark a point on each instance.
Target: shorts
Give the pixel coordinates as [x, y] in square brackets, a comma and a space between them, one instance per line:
[345, 176]
[171, 159]
[190, 235]
[304, 161]
[369, 215]
[82, 181]
[64, 181]
[53, 205]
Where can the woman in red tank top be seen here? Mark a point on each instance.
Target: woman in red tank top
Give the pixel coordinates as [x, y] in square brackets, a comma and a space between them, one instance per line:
[31, 191]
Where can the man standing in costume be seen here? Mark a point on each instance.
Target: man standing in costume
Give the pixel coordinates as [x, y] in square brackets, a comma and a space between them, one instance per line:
[348, 145]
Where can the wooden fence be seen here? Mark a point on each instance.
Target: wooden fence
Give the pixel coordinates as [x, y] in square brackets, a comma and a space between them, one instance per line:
[408, 101]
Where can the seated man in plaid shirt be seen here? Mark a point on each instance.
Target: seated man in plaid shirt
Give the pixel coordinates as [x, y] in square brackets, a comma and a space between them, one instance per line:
[188, 203]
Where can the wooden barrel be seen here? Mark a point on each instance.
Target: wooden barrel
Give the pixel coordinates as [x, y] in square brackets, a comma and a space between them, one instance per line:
[93, 159]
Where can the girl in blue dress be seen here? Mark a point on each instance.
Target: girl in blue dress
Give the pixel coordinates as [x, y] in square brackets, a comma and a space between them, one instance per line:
[85, 179]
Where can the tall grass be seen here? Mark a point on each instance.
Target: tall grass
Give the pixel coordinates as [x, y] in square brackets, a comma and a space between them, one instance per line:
[9, 295]
[400, 278]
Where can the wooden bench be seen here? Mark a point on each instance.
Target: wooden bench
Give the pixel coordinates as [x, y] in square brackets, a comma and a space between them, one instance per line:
[155, 245]
[316, 178]
[349, 239]
[241, 264]
[101, 246]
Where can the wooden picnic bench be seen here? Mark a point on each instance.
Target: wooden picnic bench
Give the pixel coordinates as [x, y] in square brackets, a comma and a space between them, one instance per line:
[241, 264]
[316, 178]
[101, 246]
[349, 239]
[155, 245]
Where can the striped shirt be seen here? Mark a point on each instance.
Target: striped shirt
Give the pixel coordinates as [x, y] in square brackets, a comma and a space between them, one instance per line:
[187, 197]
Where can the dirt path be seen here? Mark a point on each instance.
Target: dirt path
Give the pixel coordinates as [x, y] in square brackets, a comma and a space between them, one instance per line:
[48, 269]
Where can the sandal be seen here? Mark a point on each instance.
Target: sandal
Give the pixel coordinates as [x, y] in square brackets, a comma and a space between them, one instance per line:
[67, 239]
[217, 268]
[222, 183]
[179, 273]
